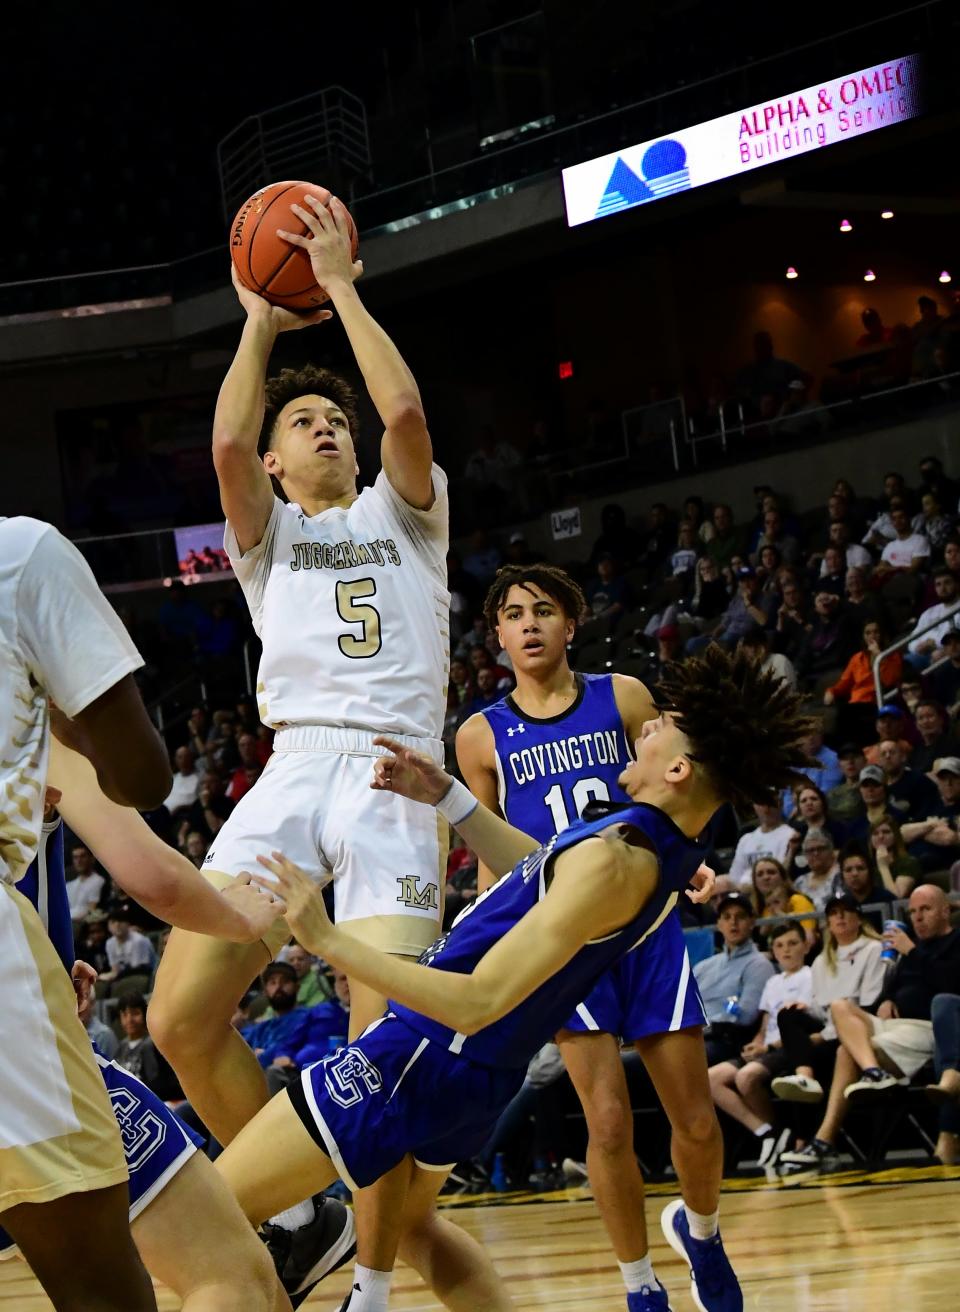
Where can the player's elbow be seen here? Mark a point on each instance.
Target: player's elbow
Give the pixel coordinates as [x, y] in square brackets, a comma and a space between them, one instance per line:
[405, 417]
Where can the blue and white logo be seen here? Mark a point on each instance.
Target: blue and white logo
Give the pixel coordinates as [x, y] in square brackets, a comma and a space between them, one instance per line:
[663, 171]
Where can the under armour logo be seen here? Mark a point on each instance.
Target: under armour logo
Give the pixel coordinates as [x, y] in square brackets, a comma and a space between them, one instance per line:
[516, 729]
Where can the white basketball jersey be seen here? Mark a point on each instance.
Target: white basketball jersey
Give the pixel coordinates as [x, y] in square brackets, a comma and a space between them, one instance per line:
[352, 609]
[59, 638]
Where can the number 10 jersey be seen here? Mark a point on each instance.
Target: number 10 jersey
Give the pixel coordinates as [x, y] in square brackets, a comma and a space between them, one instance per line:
[352, 608]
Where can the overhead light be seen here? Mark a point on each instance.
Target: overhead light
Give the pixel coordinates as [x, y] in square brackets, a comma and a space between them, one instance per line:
[944, 276]
[886, 214]
[792, 273]
[846, 225]
[869, 276]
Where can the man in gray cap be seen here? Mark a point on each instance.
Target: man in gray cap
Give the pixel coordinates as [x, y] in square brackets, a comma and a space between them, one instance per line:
[935, 841]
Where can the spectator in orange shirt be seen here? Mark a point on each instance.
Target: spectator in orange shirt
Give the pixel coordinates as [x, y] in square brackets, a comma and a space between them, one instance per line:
[855, 687]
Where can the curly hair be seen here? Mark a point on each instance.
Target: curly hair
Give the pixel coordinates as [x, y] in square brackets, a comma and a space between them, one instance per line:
[309, 380]
[745, 725]
[555, 582]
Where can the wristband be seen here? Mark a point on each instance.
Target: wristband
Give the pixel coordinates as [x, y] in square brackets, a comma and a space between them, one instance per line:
[457, 803]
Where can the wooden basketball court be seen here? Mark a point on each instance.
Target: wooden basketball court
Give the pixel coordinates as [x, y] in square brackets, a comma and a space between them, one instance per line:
[886, 1241]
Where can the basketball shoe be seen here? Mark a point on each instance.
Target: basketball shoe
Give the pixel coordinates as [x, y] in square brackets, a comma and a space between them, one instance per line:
[713, 1285]
[303, 1257]
[651, 1298]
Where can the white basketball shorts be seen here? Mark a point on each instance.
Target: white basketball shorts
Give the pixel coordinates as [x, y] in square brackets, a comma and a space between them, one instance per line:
[313, 802]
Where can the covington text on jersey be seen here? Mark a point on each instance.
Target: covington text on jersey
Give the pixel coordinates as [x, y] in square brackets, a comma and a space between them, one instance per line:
[602, 747]
[344, 555]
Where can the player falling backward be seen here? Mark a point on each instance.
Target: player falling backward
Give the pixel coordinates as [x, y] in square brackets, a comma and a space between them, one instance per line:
[348, 594]
[424, 1085]
[539, 756]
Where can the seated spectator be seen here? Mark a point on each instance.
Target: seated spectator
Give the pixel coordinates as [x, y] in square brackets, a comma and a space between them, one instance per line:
[195, 848]
[844, 803]
[812, 812]
[821, 876]
[850, 966]
[749, 608]
[881, 531]
[944, 681]
[92, 941]
[137, 1053]
[945, 1019]
[683, 560]
[774, 535]
[710, 597]
[732, 981]
[936, 739]
[829, 642]
[772, 837]
[932, 523]
[854, 556]
[739, 1085]
[198, 731]
[873, 798]
[488, 692]
[793, 620]
[763, 383]
[608, 596]
[186, 783]
[824, 775]
[858, 879]
[461, 680]
[855, 688]
[615, 538]
[273, 1040]
[84, 884]
[693, 512]
[480, 659]
[99, 1033]
[128, 951]
[311, 987]
[727, 540]
[756, 644]
[248, 771]
[863, 606]
[910, 794]
[926, 647]
[768, 570]
[907, 553]
[659, 538]
[897, 868]
[891, 727]
[878, 1052]
[874, 333]
[799, 414]
[832, 572]
[774, 895]
[209, 812]
[935, 841]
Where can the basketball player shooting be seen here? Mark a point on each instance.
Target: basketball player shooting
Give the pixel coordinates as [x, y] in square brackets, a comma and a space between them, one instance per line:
[347, 591]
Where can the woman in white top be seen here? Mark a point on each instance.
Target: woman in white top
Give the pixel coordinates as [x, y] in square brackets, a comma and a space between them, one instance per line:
[850, 966]
[739, 1087]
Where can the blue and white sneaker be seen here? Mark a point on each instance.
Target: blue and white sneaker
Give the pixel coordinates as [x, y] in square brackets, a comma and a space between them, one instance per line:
[651, 1298]
[713, 1285]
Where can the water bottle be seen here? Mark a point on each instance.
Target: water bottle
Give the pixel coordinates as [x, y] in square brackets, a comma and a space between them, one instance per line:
[498, 1176]
[733, 1009]
[890, 953]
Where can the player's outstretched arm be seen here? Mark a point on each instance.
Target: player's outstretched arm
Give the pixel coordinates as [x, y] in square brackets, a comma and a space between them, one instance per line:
[411, 774]
[148, 869]
[246, 493]
[591, 895]
[406, 454]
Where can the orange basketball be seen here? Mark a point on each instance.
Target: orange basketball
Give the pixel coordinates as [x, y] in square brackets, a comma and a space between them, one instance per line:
[267, 264]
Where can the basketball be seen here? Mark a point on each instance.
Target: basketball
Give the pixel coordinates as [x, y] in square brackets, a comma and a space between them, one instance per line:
[267, 264]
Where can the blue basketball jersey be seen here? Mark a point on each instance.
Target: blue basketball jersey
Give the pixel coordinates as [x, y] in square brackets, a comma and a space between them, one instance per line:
[513, 1039]
[548, 770]
[45, 885]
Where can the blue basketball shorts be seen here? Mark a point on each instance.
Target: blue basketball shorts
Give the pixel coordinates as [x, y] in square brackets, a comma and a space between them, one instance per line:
[156, 1143]
[651, 990]
[392, 1092]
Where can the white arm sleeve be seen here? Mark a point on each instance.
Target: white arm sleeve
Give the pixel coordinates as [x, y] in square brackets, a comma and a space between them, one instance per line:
[72, 639]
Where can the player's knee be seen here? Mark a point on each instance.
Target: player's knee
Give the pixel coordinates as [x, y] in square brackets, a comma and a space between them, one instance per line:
[610, 1125]
[700, 1128]
[176, 1030]
[842, 1008]
[746, 1079]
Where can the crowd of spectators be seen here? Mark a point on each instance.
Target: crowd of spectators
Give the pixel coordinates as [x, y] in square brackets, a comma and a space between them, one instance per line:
[814, 597]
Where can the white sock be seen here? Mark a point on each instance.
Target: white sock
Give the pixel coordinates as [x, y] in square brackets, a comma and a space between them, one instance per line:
[762, 1130]
[702, 1227]
[637, 1275]
[294, 1217]
[371, 1290]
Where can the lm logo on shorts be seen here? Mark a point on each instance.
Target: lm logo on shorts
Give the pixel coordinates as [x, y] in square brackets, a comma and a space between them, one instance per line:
[411, 896]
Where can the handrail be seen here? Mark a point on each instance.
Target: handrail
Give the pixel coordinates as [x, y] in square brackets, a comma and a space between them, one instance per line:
[905, 641]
